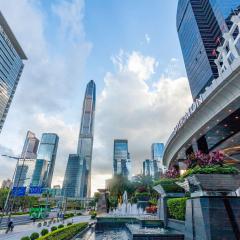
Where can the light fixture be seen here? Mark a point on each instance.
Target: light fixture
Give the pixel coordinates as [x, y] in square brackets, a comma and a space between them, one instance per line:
[225, 125]
[230, 110]
[236, 117]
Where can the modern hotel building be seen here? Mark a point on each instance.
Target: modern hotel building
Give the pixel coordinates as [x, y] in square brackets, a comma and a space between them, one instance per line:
[213, 121]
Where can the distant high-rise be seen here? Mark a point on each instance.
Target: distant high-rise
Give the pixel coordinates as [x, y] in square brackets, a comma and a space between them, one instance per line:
[121, 158]
[74, 176]
[6, 183]
[24, 172]
[148, 168]
[200, 26]
[157, 150]
[80, 184]
[30, 146]
[11, 66]
[39, 173]
[48, 151]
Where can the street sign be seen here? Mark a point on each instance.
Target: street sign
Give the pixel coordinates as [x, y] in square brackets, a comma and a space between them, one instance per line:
[35, 191]
[19, 191]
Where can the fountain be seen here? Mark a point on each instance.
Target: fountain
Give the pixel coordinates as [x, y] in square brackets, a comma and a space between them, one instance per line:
[125, 208]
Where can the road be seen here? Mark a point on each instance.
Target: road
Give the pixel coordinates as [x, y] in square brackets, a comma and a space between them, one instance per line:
[27, 229]
[22, 219]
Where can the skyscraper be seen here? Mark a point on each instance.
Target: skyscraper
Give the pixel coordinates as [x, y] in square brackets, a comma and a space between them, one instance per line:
[77, 180]
[48, 151]
[149, 168]
[121, 158]
[11, 62]
[24, 172]
[157, 150]
[85, 141]
[39, 173]
[30, 146]
[200, 26]
[74, 176]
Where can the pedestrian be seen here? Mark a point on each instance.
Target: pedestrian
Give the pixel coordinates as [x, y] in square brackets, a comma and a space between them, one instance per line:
[10, 226]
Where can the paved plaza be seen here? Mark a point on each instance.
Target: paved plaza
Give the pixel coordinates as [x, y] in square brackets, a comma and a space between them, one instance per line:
[27, 229]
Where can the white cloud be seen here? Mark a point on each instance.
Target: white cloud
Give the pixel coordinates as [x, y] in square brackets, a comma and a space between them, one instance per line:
[49, 85]
[130, 108]
[147, 38]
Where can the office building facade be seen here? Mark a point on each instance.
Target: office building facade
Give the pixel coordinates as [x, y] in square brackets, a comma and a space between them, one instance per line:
[48, 151]
[121, 158]
[157, 150]
[212, 121]
[24, 172]
[75, 175]
[201, 25]
[85, 141]
[39, 173]
[11, 62]
[80, 184]
[30, 146]
[149, 168]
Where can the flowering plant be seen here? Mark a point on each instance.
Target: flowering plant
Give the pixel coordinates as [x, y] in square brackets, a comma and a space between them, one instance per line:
[172, 173]
[151, 209]
[202, 159]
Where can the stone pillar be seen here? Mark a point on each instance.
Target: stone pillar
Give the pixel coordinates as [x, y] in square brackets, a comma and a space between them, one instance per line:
[163, 210]
[212, 218]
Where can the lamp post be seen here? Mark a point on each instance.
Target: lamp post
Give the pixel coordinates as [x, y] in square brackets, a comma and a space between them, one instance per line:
[6, 207]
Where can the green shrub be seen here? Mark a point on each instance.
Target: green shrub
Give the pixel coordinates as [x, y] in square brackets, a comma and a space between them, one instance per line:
[65, 233]
[34, 236]
[53, 228]
[177, 208]
[217, 169]
[69, 224]
[44, 231]
[60, 226]
[169, 185]
[26, 238]
[68, 215]
[142, 194]
[93, 214]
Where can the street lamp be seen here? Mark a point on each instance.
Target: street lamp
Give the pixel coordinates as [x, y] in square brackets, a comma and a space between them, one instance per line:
[6, 208]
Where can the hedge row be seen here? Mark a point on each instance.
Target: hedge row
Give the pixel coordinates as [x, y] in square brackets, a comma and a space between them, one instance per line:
[65, 233]
[177, 207]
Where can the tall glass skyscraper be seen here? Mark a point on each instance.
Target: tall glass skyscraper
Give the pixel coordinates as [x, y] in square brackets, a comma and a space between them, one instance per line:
[30, 146]
[200, 26]
[80, 184]
[39, 173]
[48, 151]
[121, 158]
[24, 172]
[11, 62]
[74, 176]
[157, 150]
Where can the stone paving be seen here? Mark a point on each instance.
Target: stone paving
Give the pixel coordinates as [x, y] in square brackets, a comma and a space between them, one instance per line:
[27, 229]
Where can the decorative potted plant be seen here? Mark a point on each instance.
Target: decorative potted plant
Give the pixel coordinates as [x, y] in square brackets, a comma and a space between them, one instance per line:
[208, 175]
[167, 186]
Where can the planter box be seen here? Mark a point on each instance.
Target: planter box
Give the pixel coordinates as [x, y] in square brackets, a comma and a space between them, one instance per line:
[211, 184]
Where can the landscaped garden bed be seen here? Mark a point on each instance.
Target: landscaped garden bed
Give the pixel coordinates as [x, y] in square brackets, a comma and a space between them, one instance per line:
[61, 233]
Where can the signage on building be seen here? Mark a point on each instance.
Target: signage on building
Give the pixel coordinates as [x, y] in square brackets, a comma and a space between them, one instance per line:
[35, 191]
[195, 105]
[18, 191]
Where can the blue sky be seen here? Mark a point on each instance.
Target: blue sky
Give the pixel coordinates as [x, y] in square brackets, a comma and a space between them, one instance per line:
[112, 25]
[130, 49]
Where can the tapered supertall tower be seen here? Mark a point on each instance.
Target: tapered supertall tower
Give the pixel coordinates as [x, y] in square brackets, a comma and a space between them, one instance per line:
[85, 141]
[77, 180]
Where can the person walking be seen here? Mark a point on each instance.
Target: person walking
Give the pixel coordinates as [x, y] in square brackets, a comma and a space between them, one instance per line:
[10, 226]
